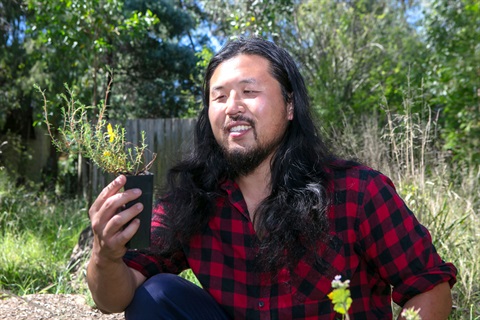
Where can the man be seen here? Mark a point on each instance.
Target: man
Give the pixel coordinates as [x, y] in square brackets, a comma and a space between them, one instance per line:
[265, 216]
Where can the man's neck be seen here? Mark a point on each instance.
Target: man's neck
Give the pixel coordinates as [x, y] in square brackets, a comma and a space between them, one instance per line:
[255, 186]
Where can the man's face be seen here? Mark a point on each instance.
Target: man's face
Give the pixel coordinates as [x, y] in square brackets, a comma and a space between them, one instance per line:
[247, 111]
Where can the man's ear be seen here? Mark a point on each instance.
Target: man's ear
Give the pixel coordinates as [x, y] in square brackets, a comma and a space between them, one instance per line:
[290, 110]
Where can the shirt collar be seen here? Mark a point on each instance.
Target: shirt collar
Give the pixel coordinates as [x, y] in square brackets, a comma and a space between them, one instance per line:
[235, 196]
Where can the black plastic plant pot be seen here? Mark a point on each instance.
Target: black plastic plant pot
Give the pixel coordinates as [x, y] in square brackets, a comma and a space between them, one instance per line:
[141, 239]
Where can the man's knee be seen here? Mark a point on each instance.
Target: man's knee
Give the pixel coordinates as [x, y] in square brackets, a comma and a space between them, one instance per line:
[160, 285]
[168, 296]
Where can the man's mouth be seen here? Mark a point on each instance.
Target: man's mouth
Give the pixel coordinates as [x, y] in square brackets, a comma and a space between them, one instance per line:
[239, 128]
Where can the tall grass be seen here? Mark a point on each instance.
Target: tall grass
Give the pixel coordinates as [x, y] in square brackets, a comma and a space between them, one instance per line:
[444, 195]
[37, 234]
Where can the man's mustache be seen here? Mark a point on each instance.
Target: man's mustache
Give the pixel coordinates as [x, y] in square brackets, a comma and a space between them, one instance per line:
[240, 118]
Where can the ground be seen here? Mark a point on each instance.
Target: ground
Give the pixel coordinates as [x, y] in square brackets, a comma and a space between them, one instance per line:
[57, 306]
[50, 306]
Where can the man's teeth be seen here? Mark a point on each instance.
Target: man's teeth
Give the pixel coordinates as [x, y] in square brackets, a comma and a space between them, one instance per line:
[239, 128]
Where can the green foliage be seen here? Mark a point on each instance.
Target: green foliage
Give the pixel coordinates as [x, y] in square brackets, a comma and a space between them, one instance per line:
[13, 151]
[252, 17]
[411, 314]
[158, 77]
[204, 56]
[340, 296]
[353, 54]
[139, 39]
[452, 32]
[37, 234]
[55, 42]
[450, 212]
[97, 140]
[18, 275]
[190, 276]
[15, 69]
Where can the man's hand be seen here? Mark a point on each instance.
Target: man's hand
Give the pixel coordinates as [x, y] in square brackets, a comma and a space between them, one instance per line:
[108, 221]
[435, 304]
[110, 280]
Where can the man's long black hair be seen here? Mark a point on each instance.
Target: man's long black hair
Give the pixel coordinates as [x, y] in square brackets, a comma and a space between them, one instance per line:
[294, 217]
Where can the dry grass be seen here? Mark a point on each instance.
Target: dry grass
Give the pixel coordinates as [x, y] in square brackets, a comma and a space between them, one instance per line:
[444, 195]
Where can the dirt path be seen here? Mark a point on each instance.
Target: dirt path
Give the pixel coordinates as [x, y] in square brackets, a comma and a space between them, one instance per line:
[50, 306]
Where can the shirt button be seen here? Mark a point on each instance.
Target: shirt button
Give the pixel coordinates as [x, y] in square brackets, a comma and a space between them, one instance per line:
[261, 304]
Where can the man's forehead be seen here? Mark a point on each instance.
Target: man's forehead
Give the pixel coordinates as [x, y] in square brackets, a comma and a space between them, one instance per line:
[243, 60]
[241, 69]
[248, 80]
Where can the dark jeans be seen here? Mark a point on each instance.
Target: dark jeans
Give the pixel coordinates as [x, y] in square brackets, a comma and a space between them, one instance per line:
[167, 296]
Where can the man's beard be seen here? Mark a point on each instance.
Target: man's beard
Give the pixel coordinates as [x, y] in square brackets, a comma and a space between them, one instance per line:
[244, 162]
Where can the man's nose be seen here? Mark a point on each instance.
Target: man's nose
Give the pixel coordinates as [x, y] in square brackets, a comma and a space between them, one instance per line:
[234, 104]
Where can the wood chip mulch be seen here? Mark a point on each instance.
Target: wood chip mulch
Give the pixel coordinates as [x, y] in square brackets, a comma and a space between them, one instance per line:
[50, 306]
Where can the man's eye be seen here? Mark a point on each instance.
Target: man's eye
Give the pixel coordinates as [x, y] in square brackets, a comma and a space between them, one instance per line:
[217, 98]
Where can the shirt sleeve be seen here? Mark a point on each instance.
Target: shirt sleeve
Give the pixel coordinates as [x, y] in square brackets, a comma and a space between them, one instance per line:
[153, 261]
[397, 245]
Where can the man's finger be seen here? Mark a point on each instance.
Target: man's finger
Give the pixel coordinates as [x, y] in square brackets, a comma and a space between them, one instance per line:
[118, 222]
[129, 231]
[112, 206]
[111, 189]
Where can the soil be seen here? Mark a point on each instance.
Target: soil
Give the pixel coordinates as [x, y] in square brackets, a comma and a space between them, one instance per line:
[50, 306]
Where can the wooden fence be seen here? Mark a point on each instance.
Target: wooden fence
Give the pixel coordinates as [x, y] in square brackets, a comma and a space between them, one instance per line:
[168, 138]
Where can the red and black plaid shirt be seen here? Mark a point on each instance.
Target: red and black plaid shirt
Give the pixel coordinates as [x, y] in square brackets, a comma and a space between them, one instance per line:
[376, 242]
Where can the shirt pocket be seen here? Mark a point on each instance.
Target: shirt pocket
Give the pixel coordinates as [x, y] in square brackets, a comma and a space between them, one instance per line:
[312, 277]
